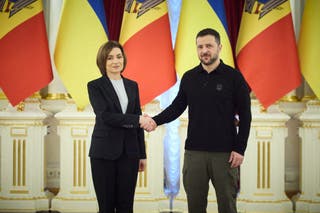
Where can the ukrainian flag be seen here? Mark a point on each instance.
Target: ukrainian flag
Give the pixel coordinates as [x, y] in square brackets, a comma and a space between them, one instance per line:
[195, 16]
[309, 45]
[81, 32]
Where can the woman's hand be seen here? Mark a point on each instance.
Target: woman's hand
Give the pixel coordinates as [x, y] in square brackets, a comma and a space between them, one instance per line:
[142, 165]
[147, 123]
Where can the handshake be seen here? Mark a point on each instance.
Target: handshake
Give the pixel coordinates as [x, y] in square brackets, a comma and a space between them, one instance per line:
[147, 123]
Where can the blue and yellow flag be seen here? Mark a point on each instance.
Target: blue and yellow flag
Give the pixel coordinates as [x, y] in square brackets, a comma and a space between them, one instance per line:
[309, 45]
[195, 16]
[81, 32]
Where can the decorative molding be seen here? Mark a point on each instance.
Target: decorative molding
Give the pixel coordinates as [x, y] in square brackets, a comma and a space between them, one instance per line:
[19, 191]
[57, 96]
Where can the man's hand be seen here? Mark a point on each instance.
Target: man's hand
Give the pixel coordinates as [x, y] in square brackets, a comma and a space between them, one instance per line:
[235, 159]
[147, 123]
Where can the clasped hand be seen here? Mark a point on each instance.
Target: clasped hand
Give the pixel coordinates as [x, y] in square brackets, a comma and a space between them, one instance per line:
[147, 123]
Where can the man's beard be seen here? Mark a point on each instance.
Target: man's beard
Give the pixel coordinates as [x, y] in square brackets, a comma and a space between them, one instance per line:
[210, 62]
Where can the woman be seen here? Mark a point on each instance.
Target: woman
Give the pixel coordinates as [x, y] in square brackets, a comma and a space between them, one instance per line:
[117, 150]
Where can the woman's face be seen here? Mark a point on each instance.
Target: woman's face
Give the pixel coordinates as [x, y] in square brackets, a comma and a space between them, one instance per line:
[114, 63]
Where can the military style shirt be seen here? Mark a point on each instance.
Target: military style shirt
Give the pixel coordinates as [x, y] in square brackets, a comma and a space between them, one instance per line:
[213, 99]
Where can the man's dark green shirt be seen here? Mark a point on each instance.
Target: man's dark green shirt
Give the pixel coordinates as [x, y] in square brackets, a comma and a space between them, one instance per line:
[213, 99]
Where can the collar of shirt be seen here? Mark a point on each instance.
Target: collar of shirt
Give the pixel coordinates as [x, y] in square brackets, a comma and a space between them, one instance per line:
[218, 70]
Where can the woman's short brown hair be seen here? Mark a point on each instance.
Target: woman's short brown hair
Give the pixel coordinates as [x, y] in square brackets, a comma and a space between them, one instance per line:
[103, 53]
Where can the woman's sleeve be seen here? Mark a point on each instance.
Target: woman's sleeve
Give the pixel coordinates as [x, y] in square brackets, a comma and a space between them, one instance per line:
[141, 140]
[102, 110]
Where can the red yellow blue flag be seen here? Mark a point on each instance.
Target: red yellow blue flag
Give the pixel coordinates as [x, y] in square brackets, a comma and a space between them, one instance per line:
[145, 35]
[25, 65]
[309, 45]
[81, 32]
[196, 15]
[267, 51]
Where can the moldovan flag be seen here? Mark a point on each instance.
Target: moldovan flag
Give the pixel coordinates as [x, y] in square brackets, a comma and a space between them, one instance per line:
[196, 15]
[25, 65]
[309, 45]
[266, 50]
[145, 35]
[81, 32]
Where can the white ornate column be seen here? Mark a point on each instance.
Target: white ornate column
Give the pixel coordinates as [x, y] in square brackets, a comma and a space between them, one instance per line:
[3, 101]
[76, 193]
[309, 200]
[262, 175]
[22, 174]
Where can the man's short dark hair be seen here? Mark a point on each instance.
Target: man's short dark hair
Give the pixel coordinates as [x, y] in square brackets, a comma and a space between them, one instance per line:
[209, 31]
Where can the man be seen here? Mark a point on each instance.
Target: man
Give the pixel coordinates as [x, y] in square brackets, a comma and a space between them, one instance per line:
[214, 93]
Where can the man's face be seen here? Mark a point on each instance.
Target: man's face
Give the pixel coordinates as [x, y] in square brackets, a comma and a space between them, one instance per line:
[208, 49]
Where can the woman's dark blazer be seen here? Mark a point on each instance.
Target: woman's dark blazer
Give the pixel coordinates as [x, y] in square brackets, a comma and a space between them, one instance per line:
[115, 132]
